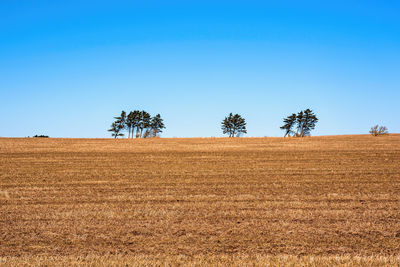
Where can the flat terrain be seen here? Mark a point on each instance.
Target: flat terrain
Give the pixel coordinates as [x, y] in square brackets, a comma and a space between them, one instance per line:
[312, 201]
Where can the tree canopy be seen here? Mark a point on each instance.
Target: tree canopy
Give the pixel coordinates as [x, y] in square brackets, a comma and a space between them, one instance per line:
[234, 125]
[300, 125]
[139, 122]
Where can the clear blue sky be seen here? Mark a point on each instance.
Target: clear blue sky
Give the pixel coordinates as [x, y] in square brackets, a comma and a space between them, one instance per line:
[68, 67]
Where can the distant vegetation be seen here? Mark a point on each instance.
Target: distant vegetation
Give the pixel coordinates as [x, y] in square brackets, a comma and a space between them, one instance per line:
[300, 125]
[141, 125]
[138, 123]
[378, 130]
[41, 136]
[234, 125]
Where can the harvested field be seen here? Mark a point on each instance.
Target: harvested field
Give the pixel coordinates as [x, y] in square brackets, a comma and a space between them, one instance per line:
[203, 201]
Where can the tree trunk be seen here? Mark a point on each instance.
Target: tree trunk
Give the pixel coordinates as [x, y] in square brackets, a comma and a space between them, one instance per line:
[137, 132]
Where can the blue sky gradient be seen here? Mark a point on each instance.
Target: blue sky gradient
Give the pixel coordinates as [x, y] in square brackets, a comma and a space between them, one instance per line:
[67, 67]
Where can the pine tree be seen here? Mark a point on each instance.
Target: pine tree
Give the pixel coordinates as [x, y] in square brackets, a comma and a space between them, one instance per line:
[144, 123]
[156, 125]
[122, 118]
[308, 122]
[116, 129]
[141, 121]
[304, 121]
[118, 125]
[234, 125]
[130, 123]
[136, 122]
[300, 122]
[289, 123]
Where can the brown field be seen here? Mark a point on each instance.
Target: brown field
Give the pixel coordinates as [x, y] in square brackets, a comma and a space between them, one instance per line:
[212, 201]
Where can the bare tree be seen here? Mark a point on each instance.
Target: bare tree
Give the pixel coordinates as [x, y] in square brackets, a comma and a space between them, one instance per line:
[378, 130]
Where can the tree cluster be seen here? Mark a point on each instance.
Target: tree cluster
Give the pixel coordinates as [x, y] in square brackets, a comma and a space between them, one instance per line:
[234, 125]
[378, 130]
[141, 125]
[300, 124]
[138, 123]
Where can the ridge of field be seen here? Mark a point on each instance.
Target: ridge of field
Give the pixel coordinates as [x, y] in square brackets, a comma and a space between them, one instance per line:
[313, 199]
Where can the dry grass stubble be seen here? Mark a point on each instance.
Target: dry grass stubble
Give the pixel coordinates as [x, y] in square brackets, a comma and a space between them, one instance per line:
[200, 201]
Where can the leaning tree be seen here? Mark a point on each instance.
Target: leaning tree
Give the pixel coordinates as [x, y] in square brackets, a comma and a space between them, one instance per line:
[307, 123]
[116, 129]
[121, 119]
[234, 125]
[118, 125]
[144, 122]
[289, 124]
[156, 125]
[304, 122]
